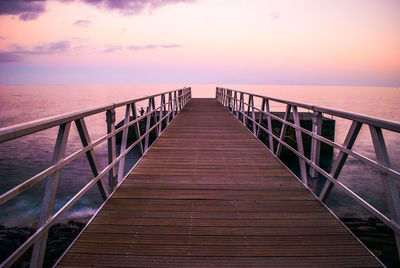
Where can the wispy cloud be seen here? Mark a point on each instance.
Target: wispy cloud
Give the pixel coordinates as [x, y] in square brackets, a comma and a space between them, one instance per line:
[112, 49]
[9, 56]
[25, 9]
[82, 23]
[152, 46]
[17, 52]
[130, 7]
[274, 15]
[32, 9]
[3, 37]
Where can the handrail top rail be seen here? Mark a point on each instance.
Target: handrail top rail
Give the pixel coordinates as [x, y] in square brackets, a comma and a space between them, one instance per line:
[26, 128]
[372, 121]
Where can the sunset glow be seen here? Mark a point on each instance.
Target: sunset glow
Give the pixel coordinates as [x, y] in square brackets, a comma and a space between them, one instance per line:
[273, 42]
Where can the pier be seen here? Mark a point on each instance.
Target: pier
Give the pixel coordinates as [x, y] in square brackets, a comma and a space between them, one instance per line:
[208, 192]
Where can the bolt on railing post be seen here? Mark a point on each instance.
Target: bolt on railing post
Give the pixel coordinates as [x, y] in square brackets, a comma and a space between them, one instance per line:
[112, 152]
[315, 144]
[39, 247]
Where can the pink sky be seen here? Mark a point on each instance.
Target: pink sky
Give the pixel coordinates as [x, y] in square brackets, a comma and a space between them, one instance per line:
[341, 42]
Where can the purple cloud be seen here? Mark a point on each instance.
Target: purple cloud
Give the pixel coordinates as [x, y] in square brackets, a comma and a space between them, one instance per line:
[7, 56]
[129, 7]
[134, 47]
[16, 52]
[112, 49]
[26, 9]
[32, 9]
[82, 23]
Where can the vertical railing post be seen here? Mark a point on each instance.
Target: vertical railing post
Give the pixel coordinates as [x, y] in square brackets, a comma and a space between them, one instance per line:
[39, 247]
[260, 118]
[253, 114]
[124, 141]
[341, 159]
[150, 109]
[390, 186]
[300, 148]
[242, 108]
[162, 107]
[170, 107]
[111, 144]
[85, 139]
[283, 130]
[315, 144]
[269, 124]
[236, 105]
[137, 126]
[175, 106]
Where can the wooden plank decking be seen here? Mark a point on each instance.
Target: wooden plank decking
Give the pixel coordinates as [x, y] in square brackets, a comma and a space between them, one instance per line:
[208, 193]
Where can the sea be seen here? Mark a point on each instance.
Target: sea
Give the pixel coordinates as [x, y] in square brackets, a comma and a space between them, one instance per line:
[24, 157]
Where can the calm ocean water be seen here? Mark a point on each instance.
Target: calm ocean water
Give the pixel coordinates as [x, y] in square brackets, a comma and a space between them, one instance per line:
[24, 157]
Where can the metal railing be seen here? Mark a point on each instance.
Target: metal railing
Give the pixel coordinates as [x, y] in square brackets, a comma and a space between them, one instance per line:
[166, 112]
[235, 101]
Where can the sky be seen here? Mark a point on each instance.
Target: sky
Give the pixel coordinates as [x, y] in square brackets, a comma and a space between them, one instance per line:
[287, 42]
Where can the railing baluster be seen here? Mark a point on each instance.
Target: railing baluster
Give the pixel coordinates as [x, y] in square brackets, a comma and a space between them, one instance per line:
[47, 218]
[137, 127]
[253, 114]
[50, 195]
[300, 148]
[316, 144]
[283, 130]
[260, 118]
[341, 159]
[269, 124]
[162, 107]
[236, 105]
[242, 108]
[85, 139]
[170, 108]
[124, 141]
[112, 151]
[175, 106]
[148, 123]
[390, 186]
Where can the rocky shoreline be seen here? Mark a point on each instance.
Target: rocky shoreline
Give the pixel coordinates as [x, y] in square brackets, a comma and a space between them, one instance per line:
[372, 232]
[60, 236]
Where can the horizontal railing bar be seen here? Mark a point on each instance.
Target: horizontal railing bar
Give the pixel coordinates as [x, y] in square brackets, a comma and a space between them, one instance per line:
[52, 169]
[356, 197]
[33, 238]
[356, 155]
[23, 129]
[385, 124]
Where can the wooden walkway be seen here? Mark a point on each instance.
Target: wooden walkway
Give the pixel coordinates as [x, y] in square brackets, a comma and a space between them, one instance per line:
[208, 193]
